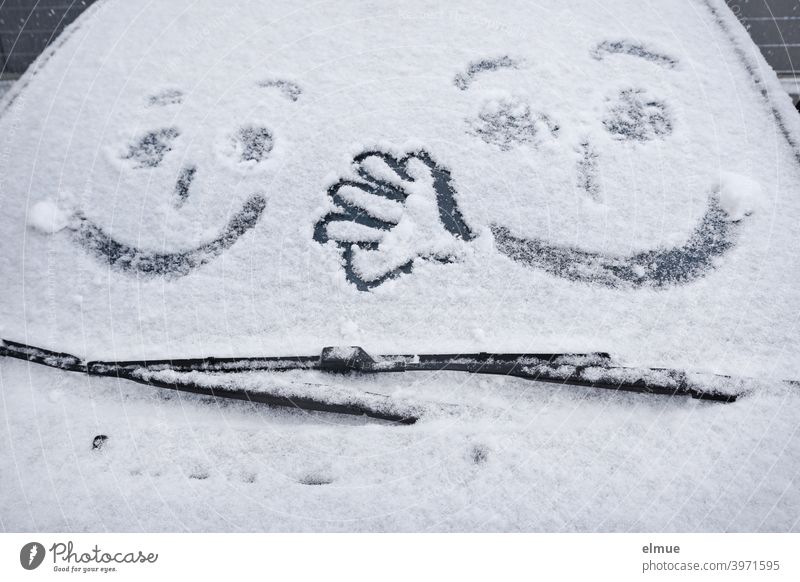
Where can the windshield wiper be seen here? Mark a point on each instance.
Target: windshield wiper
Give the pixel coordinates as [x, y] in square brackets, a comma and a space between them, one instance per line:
[595, 370]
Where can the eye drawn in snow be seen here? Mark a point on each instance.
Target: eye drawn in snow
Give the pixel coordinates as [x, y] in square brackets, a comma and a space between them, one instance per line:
[636, 117]
[149, 150]
[463, 80]
[394, 212]
[656, 268]
[252, 144]
[288, 89]
[510, 122]
[131, 259]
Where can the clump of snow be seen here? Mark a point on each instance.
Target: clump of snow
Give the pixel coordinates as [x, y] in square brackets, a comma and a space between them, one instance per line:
[739, 195]
[48, 217]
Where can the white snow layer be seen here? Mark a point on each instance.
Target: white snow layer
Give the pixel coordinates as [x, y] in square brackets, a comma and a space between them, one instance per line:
[47, 217]
[175, 125]
[215, 139]
[502, 454]
[739, 195]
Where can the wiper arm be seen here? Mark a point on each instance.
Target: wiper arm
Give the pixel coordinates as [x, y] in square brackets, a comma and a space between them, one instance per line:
[595, 370]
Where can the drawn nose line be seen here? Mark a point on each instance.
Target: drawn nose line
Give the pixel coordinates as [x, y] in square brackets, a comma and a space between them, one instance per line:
[183, 183]
[587, 170]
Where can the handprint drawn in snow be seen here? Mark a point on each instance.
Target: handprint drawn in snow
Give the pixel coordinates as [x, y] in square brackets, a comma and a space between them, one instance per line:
[394, 211]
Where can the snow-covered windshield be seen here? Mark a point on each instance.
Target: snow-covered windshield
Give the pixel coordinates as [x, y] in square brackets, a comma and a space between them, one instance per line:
[408, 178]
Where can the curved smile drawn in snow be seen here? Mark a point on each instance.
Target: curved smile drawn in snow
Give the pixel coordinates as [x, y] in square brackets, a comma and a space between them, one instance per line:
[654, 268]
[132, 259]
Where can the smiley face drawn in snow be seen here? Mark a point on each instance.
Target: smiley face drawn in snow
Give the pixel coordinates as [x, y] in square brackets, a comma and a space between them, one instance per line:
[249, 145]
[385, 206]
[633, 116]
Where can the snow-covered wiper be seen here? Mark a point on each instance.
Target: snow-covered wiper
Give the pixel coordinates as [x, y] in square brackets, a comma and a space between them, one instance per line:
[228, 377]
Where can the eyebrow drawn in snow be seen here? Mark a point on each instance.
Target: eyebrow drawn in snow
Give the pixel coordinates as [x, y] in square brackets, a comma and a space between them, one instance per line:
[464, 80]
[288, 89]
[625, 47]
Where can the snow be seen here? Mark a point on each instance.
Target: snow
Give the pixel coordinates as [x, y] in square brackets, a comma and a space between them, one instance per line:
[47, 217]
[493, 454]
[270, 179]
[739, 195]
[550, 161]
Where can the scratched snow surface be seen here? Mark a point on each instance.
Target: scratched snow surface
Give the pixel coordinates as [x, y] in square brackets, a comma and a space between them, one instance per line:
[495, 454]
[190, 179]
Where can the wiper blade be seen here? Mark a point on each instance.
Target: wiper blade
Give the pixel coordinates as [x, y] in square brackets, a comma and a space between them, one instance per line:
[595, 370]
[174, 375]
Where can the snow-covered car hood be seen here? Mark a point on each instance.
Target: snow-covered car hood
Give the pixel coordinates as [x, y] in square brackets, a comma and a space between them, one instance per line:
[261, 179]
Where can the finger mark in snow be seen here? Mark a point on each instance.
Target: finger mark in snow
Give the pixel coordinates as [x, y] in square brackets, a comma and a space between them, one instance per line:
[316, 479]
[199, 473]
[379, 168]
[380, 207]
[479, 454]
[99, 442]
[347, 231]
